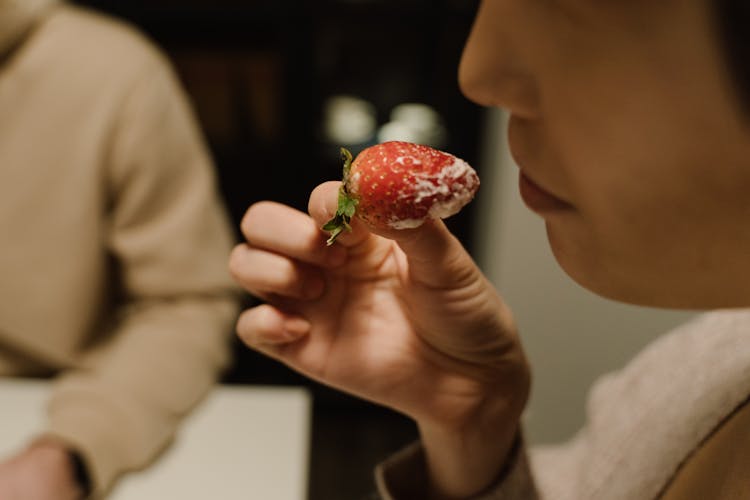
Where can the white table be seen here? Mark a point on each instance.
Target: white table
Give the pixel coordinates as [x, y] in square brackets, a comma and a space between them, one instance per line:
[242, 443]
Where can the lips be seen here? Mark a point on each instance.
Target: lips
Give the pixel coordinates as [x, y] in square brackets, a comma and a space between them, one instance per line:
[538, 199]
[534, 196]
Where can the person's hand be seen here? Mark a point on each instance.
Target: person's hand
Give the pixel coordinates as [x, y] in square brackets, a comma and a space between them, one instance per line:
[404, 319]
[40, 472]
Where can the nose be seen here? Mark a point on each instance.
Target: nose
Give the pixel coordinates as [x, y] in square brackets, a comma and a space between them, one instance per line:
[492, 72]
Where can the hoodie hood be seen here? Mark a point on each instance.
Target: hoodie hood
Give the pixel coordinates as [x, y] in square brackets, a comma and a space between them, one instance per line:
[17, 17]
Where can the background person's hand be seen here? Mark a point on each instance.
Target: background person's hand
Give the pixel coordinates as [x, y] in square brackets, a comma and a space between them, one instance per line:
[404, 319]
[42, 471]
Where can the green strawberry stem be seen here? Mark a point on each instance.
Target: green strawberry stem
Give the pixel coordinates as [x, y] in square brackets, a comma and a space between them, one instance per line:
[347, 205]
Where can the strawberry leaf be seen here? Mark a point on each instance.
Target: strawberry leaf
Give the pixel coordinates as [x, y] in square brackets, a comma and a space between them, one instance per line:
[347, 205]
[346, 157]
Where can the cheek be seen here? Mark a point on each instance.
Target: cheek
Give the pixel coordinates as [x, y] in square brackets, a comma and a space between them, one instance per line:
[634, 187]
[652, 224]
[627, 156]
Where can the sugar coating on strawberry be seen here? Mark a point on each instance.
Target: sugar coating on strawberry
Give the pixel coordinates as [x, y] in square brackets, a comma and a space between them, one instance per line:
[399, 185]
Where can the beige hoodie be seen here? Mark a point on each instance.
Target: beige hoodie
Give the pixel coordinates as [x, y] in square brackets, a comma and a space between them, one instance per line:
[113, 239]
[17, 17]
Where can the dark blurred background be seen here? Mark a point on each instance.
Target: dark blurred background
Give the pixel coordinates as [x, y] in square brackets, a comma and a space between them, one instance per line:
[278, 87]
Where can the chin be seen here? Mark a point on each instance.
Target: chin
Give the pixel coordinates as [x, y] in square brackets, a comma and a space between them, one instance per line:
[637, 285]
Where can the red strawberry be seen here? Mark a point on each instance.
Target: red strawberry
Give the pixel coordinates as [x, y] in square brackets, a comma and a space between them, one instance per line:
[398, 185]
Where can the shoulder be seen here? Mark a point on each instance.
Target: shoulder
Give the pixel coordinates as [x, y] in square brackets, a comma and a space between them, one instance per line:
[83, 42]
[717, 469]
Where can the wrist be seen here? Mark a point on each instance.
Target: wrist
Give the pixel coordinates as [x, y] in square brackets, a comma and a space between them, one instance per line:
[464, 458]
[461, 465]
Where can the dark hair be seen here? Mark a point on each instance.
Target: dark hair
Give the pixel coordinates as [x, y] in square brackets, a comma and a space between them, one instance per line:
[733, 17]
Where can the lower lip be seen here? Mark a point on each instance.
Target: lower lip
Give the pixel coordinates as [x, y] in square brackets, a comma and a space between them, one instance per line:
[539, 200]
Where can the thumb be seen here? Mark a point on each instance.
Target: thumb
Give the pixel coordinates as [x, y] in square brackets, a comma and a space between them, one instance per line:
[436, 257]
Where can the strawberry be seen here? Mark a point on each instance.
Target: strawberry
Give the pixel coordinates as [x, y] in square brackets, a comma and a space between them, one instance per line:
[398, 185]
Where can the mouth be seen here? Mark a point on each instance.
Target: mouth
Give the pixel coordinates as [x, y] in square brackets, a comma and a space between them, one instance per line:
[535, 197]
[538, 199]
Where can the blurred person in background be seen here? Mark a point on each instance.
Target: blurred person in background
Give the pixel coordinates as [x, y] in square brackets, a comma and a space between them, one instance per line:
[631, 127]
[114, 243]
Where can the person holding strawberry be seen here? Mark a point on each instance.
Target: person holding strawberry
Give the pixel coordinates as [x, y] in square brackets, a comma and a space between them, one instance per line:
[629, 122]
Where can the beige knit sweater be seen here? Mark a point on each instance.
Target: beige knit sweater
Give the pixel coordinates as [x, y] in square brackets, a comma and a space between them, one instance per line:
[113, 242]
[646, 425]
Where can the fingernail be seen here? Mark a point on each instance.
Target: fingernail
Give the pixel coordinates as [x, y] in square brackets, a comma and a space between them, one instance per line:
[295, 328]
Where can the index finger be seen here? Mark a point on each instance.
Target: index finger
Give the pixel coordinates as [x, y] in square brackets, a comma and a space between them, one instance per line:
[322, 207]
[280, 229]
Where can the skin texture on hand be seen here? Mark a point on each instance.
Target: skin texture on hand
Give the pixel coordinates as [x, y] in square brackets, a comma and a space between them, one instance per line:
[42, 471]
[404, 319]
